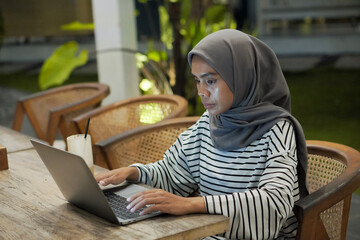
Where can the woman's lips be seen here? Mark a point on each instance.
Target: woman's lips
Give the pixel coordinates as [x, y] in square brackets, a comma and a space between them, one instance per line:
[208, 105]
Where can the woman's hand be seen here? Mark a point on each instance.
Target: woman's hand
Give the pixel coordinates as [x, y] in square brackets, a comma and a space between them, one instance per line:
[117, 176]
[160, 200]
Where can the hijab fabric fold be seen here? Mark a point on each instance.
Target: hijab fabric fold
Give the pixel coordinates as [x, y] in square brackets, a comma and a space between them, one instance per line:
[261, 95]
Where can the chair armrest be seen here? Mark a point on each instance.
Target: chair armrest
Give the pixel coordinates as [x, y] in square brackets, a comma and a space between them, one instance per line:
[344, 185]
[328, 195]
[309, 208]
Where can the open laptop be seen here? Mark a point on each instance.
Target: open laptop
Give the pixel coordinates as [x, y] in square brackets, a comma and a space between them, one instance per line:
[80, 188]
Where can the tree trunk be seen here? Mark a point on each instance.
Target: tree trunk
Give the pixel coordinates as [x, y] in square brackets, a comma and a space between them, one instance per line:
[180, 80]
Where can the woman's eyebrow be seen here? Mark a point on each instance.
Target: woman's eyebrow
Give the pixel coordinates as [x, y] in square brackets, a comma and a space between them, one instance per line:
[205, 74]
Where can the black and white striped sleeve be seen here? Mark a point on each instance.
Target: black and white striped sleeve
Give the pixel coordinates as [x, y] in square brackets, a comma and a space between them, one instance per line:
[171, 174]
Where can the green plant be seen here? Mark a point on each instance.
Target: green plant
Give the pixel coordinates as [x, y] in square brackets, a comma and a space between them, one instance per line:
[182, 25]
[58, 67]
[62, 62]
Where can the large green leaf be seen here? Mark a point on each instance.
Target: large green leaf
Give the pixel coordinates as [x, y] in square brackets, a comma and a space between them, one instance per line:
[77, 26]
[58, 67]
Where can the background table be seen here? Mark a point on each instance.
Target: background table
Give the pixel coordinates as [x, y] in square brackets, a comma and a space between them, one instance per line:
[32, 207]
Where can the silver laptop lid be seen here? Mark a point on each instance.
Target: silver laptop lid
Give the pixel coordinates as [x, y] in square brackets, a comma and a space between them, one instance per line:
[75, 180]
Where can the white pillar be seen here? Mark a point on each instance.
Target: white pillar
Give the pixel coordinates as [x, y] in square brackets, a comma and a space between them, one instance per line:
[115, 29]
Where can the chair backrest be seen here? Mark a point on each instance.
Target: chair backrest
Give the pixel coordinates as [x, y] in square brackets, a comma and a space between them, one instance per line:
[120, 116]
[333, 175]
[143, 144]
[52, 110]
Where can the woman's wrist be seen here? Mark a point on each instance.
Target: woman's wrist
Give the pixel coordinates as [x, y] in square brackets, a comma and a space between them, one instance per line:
[196, 205]
[132, 174]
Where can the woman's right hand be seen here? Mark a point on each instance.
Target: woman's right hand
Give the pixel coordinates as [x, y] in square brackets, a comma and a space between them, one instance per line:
[117, 176]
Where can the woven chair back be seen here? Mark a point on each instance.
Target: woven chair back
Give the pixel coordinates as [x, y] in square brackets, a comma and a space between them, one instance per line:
[144, 144]
[123, 115]
[53, 110]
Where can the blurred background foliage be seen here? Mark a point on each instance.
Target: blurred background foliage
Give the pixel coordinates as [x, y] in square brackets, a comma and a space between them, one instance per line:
[2, 30]
[182, 25]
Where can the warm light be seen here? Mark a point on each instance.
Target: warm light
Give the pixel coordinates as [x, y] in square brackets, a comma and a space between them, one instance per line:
[150, 113]
[146, 84]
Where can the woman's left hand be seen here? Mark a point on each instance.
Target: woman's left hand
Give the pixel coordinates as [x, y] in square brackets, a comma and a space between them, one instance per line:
[160, 200]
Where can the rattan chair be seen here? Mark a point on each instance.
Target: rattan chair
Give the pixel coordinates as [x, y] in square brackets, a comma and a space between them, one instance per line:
[52, 110]
[123, 115]
[143, 144]
[333, 175]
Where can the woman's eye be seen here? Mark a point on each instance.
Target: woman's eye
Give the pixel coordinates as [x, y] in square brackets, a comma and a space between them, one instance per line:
[210, 81]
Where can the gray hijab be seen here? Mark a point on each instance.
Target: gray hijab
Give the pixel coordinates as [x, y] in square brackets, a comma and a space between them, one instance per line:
[261, 95]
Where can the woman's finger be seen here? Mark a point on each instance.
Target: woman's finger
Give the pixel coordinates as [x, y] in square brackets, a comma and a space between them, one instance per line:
[100, 176]
[142, 193]
[144, 199]
[151, 208]
[139, 203]
[107, 181]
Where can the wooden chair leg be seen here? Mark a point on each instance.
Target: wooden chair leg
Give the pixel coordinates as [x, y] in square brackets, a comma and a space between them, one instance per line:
[3, 158]
[52, 128]
[18, 117]
[99, 157]
[313, 226]
[321, 232]
[345, 216]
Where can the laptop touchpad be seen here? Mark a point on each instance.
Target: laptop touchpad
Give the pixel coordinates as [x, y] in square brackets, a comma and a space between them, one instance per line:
[130, 190]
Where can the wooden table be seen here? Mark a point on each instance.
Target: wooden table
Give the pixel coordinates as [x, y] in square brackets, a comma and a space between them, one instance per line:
[32, 207]
[13, 140]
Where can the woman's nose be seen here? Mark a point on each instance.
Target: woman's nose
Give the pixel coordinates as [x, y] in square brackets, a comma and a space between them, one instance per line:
[202, 91]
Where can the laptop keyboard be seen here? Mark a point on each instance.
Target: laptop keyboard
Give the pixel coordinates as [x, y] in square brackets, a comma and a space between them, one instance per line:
[118, 204]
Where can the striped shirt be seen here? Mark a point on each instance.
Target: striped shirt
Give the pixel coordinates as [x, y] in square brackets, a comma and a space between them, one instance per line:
[254, 186]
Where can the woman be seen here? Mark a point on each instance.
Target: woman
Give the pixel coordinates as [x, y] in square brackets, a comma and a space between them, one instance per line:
[246, 155]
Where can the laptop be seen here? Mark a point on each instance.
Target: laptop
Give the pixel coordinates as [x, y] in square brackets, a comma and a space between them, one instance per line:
[79, 187]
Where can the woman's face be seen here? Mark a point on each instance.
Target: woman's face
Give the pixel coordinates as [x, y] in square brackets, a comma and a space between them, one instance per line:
[215, 94]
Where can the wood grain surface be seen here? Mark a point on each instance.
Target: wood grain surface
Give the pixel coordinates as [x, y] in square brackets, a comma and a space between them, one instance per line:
[13, 140]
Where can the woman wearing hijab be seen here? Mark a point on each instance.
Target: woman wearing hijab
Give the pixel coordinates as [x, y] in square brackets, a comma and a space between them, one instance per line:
[246, 155]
